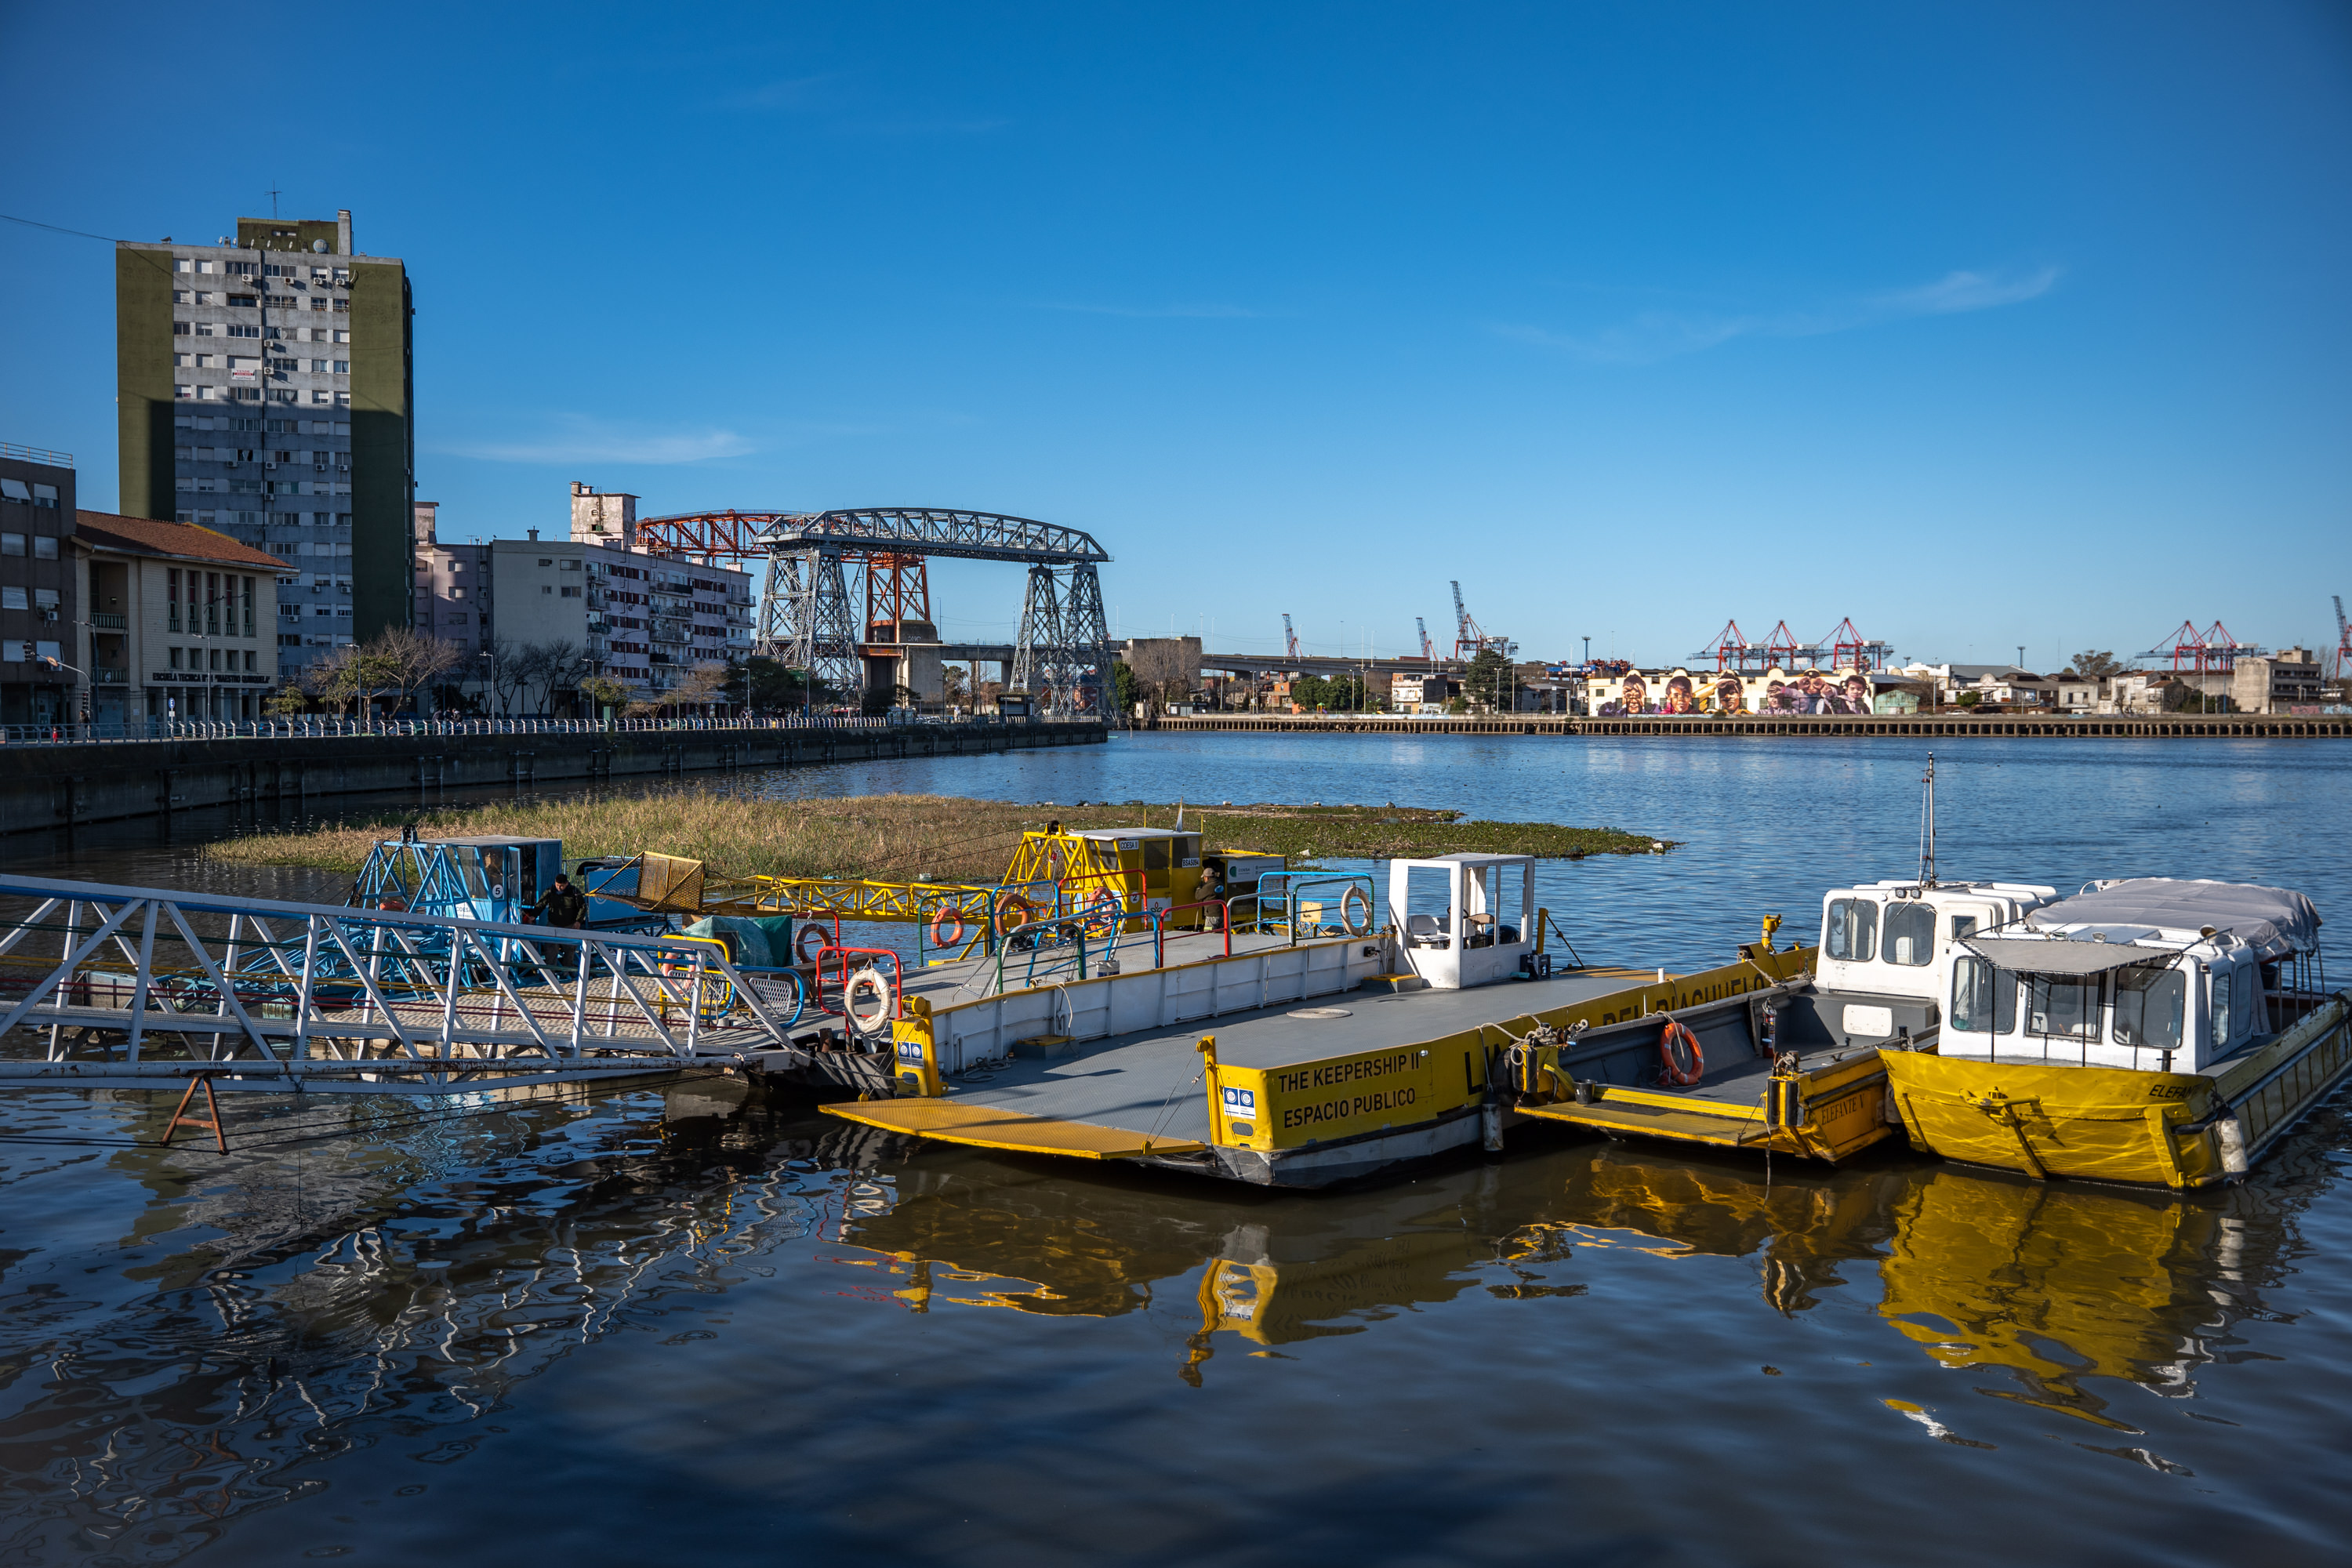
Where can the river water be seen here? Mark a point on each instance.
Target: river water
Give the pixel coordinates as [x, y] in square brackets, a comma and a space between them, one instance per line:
[689, 1326]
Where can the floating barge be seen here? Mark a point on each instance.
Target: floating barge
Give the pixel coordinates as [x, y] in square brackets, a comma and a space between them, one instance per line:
[1441, 1029]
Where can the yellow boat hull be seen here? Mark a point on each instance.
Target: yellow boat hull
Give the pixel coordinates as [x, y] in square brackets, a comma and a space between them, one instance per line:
[2116, 1124]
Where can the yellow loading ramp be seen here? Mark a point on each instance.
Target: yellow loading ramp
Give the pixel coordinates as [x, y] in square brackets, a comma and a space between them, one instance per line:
[991, 1127]
[1732, 1127]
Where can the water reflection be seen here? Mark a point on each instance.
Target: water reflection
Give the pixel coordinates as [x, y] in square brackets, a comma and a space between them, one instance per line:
[367, 1294]
[173, 1366]
[2056, 1288]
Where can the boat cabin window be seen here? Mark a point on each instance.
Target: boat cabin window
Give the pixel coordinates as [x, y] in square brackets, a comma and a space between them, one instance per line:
[2241, 997]
[2221, 1030]
[2149, 1007]
[1982, 998]
[1910, 934]
[1851, 931]
[2062, 1005]
[1963, 925]
[1155, 853]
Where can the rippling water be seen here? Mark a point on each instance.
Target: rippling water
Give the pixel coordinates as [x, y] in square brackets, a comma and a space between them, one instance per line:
[688, 1325]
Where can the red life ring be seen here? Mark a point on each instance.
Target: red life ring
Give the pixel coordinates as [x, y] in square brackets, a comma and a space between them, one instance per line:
[801, 943]
[947, 926]
[1686, 1067]
[1106, 910]
[1011, 911]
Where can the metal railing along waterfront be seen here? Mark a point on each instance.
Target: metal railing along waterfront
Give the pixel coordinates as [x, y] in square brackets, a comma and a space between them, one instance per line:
[302, 729]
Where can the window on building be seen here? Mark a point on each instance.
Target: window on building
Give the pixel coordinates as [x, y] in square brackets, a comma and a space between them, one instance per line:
[249, 659]
[45, 548]
[243, 301]
[571, 593]
[172, 599]
[342, 336]
[343, 305]
[13, 598]
[213, 658]
[44, 598]
[212, 602]
[175, 656]
[12, 544]
[548, 588]
[182, 330]
[547, 561]
[204, 330]
[342, 367]
[182, 264]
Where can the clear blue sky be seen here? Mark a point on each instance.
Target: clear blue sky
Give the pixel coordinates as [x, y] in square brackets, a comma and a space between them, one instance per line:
[1983, 324]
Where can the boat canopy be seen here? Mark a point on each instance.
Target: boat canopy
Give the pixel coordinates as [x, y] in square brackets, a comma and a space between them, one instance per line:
[2275, 921]
[2061, 956]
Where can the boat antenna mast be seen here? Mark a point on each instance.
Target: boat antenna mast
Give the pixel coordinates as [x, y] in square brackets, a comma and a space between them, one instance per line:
[1928, 827]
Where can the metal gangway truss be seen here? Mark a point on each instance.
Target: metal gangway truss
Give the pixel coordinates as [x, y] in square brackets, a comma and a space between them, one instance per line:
[125, 986]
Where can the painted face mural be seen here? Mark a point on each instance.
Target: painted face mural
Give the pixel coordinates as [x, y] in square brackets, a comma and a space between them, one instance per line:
[1678, 695]
[1727, 698]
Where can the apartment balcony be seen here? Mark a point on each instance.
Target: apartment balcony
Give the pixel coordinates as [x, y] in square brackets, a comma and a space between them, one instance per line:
[99, 675]
[106, 621]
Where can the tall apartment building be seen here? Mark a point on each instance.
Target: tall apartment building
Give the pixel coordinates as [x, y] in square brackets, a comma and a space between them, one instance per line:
[265, 390]
[39, 607]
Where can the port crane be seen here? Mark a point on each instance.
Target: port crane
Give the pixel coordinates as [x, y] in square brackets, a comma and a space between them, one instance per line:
[1469, 639]
[1429, 649]
[1289, 638]
[2343, 642]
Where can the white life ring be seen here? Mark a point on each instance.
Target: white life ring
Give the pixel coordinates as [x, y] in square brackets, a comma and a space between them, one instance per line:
[867, 985]
[1350, 901]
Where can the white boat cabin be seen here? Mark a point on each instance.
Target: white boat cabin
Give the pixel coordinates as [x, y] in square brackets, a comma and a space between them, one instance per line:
[1464, 919]
[2153, 973]
[1883, 939]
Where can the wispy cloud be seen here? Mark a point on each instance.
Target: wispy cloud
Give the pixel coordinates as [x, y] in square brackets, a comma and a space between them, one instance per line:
[576, 438]
[1202, 311]
[837, 108]
[786, 95]
[1655, 335]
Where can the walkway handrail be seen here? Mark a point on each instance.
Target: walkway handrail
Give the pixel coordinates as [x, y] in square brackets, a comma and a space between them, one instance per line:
[1160, 926]
[323, 726]
[1295, 882]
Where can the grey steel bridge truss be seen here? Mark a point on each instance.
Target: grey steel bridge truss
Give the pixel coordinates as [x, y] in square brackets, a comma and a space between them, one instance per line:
[808, 619]
[128, 985]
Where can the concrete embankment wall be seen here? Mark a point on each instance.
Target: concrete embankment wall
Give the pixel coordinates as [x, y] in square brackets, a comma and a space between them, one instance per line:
[2223, 726]
[53, 786]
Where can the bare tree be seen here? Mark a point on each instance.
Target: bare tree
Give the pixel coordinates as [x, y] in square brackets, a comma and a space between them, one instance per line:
[1166, 668]
[504, 671]
[704, 683]
[408, 661]
[548, 666]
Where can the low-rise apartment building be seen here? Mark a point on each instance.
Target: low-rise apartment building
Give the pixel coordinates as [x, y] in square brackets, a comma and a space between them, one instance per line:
[183, 621]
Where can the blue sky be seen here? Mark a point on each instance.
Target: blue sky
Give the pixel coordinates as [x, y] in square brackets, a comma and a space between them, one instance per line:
[1983, 325]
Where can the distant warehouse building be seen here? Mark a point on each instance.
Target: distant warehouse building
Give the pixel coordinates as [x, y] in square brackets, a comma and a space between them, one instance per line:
[2285, 682]
[264, 390]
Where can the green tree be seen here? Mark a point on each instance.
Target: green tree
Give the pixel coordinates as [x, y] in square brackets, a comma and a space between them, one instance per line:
[285, 701]
[1489, 680]
[2096, 664]
[1125, 690]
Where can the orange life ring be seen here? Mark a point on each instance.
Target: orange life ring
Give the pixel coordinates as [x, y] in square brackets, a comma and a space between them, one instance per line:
[947, 926]
[1678, 1070]
[801, 943]
[1106, 910]
[1013, 911]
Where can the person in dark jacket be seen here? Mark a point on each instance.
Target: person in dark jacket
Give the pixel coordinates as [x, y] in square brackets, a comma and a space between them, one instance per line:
[562, 905]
